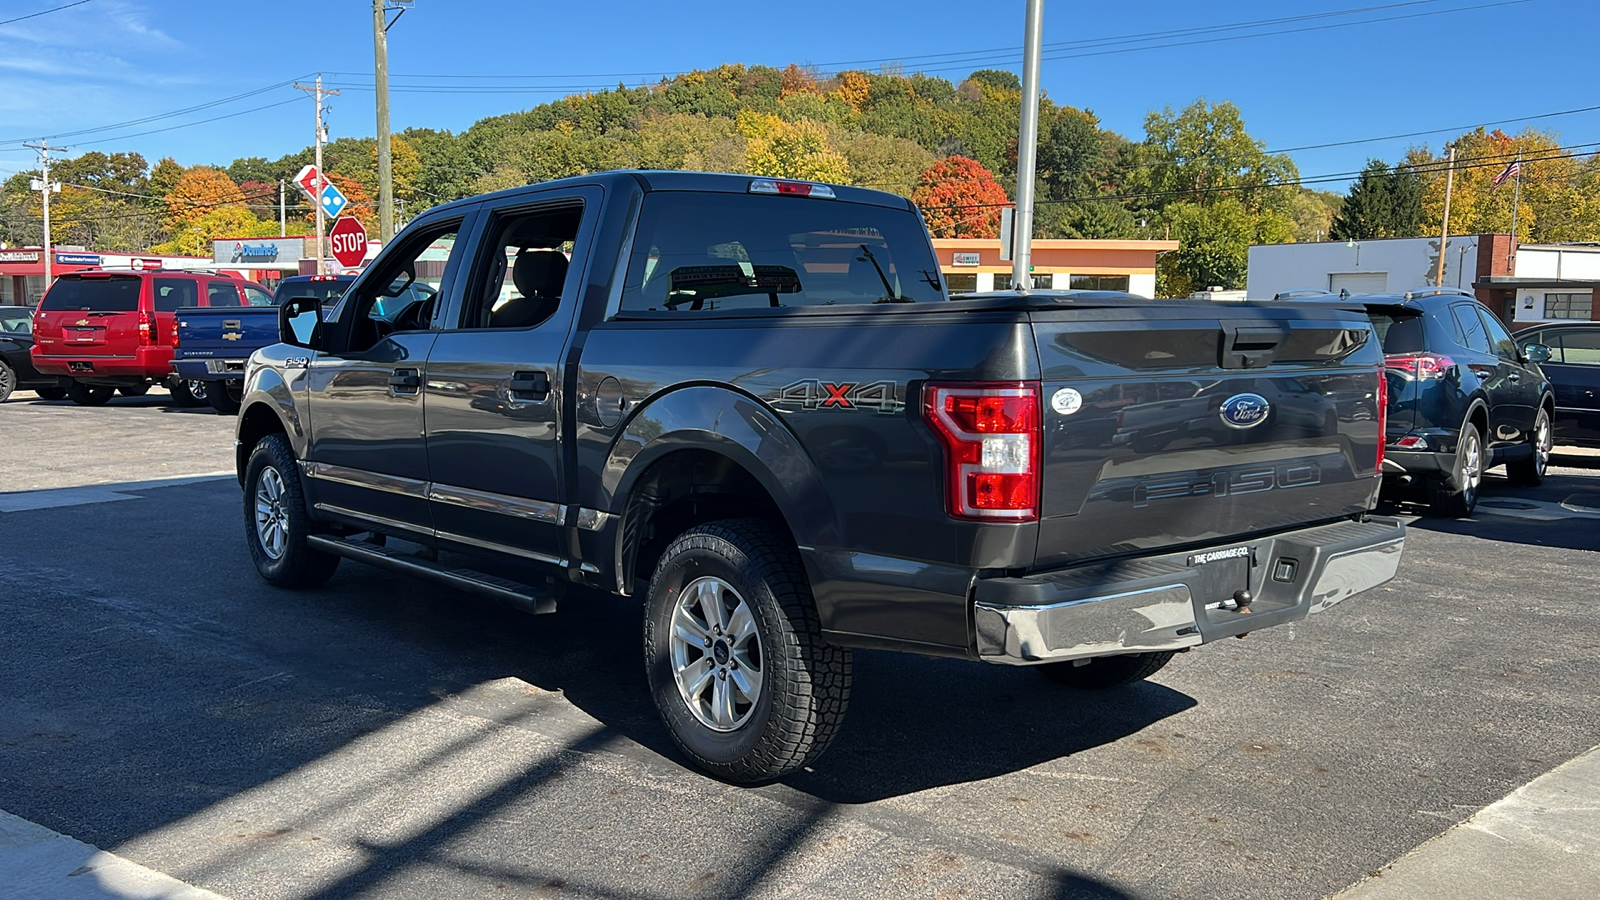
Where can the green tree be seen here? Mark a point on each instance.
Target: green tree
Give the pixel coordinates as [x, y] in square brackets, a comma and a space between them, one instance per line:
[1204, 154]
[1213, 244]
[1383, 203]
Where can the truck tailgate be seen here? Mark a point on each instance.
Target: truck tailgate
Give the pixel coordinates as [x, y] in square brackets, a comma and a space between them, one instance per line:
[1174, 425]
[225, 332]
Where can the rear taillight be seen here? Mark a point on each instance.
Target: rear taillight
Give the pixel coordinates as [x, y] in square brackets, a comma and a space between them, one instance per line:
[174, 331]
[991, 441]
[146, 331]
[1421, 366]
[1383, 417]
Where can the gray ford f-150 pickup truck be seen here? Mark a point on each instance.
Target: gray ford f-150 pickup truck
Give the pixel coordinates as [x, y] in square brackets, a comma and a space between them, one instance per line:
[752, 404]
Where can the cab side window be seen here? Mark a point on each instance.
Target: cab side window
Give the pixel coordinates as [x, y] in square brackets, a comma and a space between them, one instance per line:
[222, 293]
[254, 296]
[172, 294]
[1504, 346]
[522, 279]
[1472, 334]
[404, 294]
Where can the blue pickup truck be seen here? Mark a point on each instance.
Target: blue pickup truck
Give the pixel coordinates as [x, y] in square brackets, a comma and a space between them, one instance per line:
[214, 342]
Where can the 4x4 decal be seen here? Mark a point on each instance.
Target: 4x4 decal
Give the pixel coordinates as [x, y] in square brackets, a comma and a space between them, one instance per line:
[812, 393]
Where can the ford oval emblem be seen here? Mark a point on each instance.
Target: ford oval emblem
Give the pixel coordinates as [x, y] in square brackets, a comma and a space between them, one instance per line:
[1245, 410]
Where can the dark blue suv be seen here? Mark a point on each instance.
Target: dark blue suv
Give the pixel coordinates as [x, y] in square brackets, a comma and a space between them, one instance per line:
[1463, 397]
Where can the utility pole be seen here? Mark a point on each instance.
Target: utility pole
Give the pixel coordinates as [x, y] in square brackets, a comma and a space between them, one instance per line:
[1444, 237]
[380, 54]
[322, 179]
[283, 212]
[46, 187]
[1516, 203]
[1027, 149]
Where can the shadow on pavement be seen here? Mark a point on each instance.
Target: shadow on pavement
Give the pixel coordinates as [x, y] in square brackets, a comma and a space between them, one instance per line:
[1564, 512]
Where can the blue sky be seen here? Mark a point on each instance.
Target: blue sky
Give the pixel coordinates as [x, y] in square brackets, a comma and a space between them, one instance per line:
[111, 61]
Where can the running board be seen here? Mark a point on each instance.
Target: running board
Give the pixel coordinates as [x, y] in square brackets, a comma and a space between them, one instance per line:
[505, 590]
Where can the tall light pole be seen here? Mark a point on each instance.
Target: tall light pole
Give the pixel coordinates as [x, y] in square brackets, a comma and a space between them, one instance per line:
[46, 187]
[1027, 149]
[380, 54]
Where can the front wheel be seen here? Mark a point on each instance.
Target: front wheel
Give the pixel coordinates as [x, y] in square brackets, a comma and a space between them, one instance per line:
[189, 392]
[1456, 495]
[275, 519]
[1529, 471]
[1107, 671]
[90, 394]
[734, 653]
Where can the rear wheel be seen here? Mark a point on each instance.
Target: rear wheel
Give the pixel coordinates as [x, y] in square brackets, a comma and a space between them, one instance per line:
[734, 653]
[1529, 471]
[8, 381]
[189, 393]
[275, 519]
[90, 394]
[55, 392]
[1106, 671]
[1456, 494]
[224, 397]
[136, 390]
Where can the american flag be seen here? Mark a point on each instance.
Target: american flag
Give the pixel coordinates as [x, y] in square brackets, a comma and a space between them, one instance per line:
[1511, 171]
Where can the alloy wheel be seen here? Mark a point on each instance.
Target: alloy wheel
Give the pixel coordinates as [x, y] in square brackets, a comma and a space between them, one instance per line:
[272, 518]
[717, 661]
[1543, 443]
[1471, 465]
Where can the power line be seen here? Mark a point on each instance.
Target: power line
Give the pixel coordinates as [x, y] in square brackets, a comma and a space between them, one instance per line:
[242, 112]
[158, 116]
[45, 12]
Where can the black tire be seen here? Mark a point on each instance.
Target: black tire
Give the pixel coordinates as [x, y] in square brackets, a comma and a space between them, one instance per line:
[51, 393]
[1529, 472]
[189, 393]
[8, 381]
[804, 683]
[290, 563]
[90, 394]
[224, 397]
[1107, 671]
[138, 390]
[1455, 495]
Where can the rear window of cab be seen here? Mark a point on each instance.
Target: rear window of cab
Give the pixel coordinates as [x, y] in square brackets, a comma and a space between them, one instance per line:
[704, 252]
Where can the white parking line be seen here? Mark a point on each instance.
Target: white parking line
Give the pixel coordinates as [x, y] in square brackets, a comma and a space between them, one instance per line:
[20, 501]
[39, 864]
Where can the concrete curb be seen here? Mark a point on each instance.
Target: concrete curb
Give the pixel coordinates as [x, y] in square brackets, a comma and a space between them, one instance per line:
[1542, 840]
[39, 864]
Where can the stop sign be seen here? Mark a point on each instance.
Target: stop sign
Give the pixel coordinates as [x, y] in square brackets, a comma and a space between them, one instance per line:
[349, 242]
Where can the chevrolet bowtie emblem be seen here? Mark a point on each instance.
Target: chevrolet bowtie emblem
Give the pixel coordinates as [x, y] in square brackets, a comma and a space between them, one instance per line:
[232, 336]
[83, 321]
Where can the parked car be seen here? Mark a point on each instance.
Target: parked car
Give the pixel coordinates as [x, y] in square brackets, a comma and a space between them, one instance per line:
[1574, 372]
[751, 404]
[16, 363]
[1463, 396]
[103, 330]
[211, 343]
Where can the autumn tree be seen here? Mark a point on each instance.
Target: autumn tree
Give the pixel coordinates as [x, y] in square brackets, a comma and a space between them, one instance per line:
[1558, 199]
[960, 198]
[790, 149]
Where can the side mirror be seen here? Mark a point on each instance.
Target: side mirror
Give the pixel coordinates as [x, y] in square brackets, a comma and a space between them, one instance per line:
[300, 322]
[1536, 353]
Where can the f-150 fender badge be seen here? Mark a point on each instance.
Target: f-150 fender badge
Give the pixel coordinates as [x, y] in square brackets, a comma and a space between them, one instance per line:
[1244, 410]
[1066, 401]
[296, 362]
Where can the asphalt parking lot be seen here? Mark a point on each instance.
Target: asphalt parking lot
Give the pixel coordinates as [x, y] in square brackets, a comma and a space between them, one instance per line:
[381, 737]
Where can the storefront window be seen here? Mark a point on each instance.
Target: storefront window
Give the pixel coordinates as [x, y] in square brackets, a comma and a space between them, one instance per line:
[1568, 306]
[1100, 282]
[1044, 282]
[7, 295]
[35, 289]
[964, 283]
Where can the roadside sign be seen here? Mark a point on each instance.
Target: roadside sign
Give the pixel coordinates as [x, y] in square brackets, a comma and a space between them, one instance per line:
[333, 201]
[307, 180]
[349, 242]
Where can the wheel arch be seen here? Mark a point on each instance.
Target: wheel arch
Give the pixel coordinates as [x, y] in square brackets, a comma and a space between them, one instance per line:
[704, 453]
[266, 407]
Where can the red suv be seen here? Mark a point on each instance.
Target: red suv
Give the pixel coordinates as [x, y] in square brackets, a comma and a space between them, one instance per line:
[102, 331]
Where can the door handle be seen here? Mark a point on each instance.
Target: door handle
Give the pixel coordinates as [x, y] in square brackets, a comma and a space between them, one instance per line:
[534, 384]
[1515, 376]
[404, 381]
